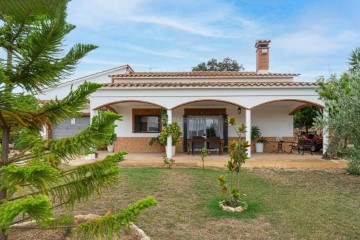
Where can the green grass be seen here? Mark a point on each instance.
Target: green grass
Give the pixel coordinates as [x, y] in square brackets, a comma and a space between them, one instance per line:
[282, 204]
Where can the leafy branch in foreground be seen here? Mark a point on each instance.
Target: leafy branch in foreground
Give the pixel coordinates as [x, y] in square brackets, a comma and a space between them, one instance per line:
[111, 223]
[33, 182]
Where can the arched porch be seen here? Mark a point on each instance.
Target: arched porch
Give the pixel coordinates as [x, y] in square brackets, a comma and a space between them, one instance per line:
[275, 121]
[206, 118]
[141, 121]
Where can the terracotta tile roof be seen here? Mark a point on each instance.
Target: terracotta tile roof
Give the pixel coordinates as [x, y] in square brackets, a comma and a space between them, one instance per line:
[200, 74]
[210, 84]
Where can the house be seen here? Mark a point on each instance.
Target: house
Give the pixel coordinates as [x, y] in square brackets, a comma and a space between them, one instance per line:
[198, 101]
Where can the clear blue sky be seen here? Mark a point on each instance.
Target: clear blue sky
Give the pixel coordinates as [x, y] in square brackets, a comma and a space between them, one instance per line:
[312, 38]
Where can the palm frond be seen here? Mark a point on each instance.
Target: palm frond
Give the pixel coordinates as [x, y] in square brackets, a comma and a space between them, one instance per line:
[354, 60]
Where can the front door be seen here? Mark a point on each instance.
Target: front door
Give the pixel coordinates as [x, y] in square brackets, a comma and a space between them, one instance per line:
[204, 126]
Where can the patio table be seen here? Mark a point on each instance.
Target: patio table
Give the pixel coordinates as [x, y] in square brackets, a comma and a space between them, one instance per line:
[205, 140]
[280, 147]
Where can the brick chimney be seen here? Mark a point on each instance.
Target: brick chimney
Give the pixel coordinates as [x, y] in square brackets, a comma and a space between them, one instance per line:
[262, 56]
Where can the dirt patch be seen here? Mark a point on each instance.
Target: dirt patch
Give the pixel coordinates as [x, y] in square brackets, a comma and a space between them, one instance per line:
[249, 229]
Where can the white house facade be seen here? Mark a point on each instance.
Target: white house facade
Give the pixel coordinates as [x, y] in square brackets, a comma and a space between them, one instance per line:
[199, 101]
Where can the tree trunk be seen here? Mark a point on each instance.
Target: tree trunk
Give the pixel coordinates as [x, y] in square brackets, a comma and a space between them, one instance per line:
[4, 162]
[238, 180]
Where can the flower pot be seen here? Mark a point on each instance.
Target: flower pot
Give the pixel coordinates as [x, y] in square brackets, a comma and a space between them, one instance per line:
[90, 156]
[259, 147]
[173, 151]
[110, 148]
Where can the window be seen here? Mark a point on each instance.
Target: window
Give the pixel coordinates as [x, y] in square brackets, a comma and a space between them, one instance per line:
[147, 123]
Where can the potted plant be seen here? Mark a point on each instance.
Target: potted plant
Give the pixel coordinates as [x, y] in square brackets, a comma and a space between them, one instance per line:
[259, 145]
[173, 130]
[110, 146]
[256, 134]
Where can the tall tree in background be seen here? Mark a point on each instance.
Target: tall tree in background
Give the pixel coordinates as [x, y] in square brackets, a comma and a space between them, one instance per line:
[342, 103]
[305, 118]
[32, 182]
[227, 64]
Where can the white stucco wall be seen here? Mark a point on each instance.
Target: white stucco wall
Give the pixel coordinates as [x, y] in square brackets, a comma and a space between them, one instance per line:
[273, 121]
[124, 128]
[172, 97]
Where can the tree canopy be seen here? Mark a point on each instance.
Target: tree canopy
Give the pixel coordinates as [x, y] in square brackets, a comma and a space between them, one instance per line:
[227, 64]
[33, 182]
[342, 104]
[305, 118]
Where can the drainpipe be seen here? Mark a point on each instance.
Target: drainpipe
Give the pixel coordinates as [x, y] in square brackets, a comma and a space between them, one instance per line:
[169, 139]
[248, 127]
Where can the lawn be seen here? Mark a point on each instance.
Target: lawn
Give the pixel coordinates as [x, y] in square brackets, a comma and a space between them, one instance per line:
[282, 204]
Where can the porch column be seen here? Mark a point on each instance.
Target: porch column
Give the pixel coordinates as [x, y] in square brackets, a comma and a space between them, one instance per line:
[169, 139]
[248, 129]
[325, 131]
[93, 113]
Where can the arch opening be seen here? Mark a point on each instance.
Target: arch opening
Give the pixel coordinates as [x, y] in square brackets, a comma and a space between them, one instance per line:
[107, 105]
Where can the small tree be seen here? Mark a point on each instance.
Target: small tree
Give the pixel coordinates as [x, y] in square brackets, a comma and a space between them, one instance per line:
[227, 64]
[204, 153]
[168, 161]
[238, 156]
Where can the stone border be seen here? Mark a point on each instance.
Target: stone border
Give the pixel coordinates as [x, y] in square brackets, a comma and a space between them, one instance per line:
[139, 232]
[231, 209]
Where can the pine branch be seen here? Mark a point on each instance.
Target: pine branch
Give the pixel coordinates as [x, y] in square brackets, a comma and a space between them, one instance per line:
[105, 226]
[78, 183]
[56, 111]
[96, 134]
[39, 176]
[38, 208]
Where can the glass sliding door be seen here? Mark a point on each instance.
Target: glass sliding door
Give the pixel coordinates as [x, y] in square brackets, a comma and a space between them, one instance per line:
[201, 126]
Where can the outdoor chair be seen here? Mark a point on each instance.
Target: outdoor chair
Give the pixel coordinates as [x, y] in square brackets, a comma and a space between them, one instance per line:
[305, 145]
[294, 146]
[197, 144]
[214, 144]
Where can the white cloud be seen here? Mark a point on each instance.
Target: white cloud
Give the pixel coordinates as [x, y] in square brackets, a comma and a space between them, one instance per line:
[314, 41]
[221, 21]
[171, 53]
[88, 60]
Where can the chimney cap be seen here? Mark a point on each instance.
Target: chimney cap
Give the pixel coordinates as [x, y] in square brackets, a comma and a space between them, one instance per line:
[262, 43]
